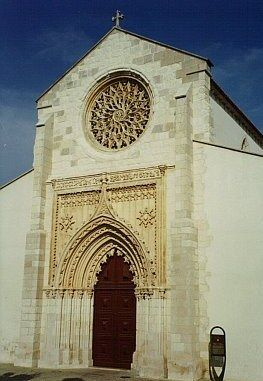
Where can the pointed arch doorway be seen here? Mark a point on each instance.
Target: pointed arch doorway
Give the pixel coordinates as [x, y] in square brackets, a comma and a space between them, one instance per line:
[114, 319]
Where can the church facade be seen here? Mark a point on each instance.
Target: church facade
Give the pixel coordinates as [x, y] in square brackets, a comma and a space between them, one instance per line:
[135, 242]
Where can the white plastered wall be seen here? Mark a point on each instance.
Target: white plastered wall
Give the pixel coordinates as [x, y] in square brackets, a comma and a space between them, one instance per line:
[15, 217]
[228, 132]
[234, 210]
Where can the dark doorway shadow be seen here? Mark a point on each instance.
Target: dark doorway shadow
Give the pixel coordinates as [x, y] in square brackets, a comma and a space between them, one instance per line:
[10, 376]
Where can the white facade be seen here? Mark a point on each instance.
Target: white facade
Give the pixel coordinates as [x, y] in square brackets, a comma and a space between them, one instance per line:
[16, 199]
[227, 131]
[234, 258]
[202, 233]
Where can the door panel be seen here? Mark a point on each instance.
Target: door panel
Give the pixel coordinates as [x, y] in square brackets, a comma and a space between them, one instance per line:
[114, 326]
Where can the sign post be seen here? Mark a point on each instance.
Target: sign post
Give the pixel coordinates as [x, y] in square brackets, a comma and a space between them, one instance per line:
[217, 354]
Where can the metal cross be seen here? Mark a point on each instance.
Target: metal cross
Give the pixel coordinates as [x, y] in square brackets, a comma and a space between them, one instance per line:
[119, 16]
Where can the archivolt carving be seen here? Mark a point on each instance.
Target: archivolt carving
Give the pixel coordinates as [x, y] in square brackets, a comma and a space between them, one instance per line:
[91, 247]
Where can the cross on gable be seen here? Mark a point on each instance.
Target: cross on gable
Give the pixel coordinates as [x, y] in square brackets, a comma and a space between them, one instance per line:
[119, 16]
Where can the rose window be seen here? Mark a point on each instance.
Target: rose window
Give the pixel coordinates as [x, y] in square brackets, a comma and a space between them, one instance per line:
[119, 113]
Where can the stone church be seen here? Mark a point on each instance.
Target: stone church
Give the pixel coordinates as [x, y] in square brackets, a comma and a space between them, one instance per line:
[140, 226]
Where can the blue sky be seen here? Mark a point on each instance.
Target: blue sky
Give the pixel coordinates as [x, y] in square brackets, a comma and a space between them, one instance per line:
[41, 39]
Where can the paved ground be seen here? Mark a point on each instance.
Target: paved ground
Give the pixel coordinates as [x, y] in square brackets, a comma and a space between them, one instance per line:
[10, 373]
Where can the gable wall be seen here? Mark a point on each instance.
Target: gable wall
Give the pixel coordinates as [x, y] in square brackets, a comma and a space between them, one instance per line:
[166, 72]
[227, 131]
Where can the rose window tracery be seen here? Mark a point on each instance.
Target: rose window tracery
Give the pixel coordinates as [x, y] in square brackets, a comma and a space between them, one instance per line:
[119, 113]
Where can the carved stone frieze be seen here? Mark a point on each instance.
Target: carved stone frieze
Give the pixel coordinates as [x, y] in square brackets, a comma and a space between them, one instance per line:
[80, 182]
[113, 178]
[134, 193]
[60, 293]
[79, 199]
[134, 175]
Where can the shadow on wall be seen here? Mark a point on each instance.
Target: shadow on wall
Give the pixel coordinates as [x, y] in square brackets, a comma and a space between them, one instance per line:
[17, 377]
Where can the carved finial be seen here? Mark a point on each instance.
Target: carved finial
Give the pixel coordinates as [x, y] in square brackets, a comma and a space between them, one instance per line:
[104, 207]
[104, 178]
[119, 16]
[162, 169]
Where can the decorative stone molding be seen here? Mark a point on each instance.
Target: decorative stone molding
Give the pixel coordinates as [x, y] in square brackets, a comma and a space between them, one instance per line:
[79, 199]
[146, 217]
[148, 293]
[59, 293]
[113, 178]
[139, 192]
[104, 220]
[143, 293]
[66, 223]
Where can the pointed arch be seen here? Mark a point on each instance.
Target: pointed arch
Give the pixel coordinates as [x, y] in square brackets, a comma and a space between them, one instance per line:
[92, 245]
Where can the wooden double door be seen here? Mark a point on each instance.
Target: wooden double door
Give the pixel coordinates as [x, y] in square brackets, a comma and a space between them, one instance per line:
[114, 321]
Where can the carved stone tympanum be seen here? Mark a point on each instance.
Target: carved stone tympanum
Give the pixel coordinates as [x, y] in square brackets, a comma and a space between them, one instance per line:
[118, 113]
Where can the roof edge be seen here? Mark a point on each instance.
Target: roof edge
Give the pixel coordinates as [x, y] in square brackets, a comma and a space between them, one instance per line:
[228, 148]
[16, 178]
[210, 63]
[132, 34]
[219, 94]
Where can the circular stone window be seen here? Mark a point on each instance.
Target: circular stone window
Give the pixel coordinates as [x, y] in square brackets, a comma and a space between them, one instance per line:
[118, 112]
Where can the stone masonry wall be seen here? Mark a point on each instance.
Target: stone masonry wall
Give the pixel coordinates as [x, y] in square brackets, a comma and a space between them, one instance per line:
[179, 84]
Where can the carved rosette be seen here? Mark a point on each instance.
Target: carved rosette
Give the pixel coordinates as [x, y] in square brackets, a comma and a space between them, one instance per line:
[118, 113]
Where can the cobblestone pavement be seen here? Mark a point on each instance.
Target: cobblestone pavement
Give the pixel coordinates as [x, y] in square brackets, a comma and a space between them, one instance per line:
[9, 372]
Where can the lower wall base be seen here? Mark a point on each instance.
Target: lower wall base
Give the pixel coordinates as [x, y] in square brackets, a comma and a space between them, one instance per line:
[8, 351]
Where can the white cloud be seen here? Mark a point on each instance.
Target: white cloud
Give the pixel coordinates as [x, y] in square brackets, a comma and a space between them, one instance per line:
[240, 73]
[66, 45]
[17, 120]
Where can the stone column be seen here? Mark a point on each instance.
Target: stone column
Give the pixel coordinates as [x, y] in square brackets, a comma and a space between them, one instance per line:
[28, 353]
[76, 339]
[183, 351]
[66, 339]
[149, 358]
[203, 132]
